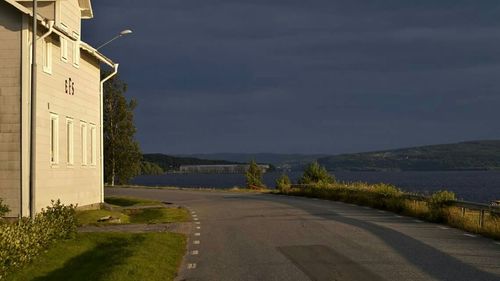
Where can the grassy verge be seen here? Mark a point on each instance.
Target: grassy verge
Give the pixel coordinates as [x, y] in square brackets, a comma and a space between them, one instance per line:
[90, 217]
[109, 256]
[124, 201]
[387, 197]
[158, 215]
[148, 216]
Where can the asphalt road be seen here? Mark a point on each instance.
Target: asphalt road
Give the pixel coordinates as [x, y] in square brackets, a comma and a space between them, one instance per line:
[241, 236]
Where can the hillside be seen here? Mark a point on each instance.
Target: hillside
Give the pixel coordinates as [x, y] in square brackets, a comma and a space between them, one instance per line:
[473, 155]
[172, 163]
[293, 161]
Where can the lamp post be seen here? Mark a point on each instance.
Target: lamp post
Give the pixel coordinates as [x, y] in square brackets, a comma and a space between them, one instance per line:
[33, 113]
[101, 109]
[123, 33]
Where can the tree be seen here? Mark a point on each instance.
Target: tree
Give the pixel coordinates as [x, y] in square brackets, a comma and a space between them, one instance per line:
[315, 173]
[283, 183]
[122, 155]
[254, 176]
[150, 168]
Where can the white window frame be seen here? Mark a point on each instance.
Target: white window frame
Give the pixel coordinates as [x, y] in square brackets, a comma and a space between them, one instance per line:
[70, 141]
[76, 50]
[64, 44]
[83, 138]
[47, 55]
[93, 145]
[54, 139]
[58, 13]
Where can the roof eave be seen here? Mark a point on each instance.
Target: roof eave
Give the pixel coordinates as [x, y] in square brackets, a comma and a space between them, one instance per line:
[91, 50]
[86, 9]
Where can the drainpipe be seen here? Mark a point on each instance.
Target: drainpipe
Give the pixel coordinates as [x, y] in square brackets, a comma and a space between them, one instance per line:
[50, 24]
[33, 107]
[101, 101]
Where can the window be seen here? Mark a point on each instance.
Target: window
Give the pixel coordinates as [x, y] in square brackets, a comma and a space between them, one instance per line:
[54, 139]
[83, 135]
[47, 55]
[76, 50]
[64, 44]
[93, 147]
[69, 141]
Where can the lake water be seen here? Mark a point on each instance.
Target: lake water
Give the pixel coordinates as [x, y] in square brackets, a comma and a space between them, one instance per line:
[478, 186]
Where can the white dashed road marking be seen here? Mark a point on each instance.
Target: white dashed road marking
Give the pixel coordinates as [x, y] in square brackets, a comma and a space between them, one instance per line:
[443, 227]
[197, 222]
[196, 242]
[498, 243]
[195, 219]
[419, 221]
[470, 235]
[197, 234]
[191, 265]
[198, 227]
[397, 216]
[194, 252]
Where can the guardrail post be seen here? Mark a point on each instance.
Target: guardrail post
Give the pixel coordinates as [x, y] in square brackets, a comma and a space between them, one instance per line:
[463, 212]
[481, 218]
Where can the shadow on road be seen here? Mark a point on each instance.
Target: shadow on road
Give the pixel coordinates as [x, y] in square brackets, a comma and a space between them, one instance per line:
[430, 260]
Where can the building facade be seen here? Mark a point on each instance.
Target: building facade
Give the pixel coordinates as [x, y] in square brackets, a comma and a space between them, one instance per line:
[67, 155]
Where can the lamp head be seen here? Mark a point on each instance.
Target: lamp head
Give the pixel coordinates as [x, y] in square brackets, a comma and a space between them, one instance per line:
[125, 32]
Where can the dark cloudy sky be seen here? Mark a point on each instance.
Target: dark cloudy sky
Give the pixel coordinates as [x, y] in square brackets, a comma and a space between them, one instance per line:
[317, 76]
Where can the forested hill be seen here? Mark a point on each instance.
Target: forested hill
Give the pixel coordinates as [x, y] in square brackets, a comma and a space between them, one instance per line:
[171, 163]
[473, 155]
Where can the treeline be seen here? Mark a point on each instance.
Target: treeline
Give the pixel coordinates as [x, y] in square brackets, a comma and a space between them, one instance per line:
[474, 155]
[172, 163]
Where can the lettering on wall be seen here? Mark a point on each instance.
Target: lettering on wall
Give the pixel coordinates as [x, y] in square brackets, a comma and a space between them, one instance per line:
[69, 87]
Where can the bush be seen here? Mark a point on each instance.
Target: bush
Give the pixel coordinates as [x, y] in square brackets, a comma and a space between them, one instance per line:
[254, 176]
[20, 242]
[283, 183]
[386, 190]
[438, 203]
[316, 174]
[441, 199]
[4, 209]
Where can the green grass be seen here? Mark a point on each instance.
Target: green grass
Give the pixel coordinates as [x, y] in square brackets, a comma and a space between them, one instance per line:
[154, 215]
[158, 215]
[129, 201]
[108, 256]
[90, 217]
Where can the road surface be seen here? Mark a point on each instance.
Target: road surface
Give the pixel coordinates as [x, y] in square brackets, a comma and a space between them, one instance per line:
[246, 236]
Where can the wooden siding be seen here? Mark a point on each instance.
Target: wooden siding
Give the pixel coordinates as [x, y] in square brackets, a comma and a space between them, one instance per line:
[75, 183]
[71, 15]
[10, 107]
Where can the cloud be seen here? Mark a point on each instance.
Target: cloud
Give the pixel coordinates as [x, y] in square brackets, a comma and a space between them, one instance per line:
[305, 76]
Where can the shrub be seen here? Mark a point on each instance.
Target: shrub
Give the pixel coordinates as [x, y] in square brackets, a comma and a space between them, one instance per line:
[316, 174]
[441, 199]
[4, 209]
[438, 203]
[386, 190]
[20, 242]
[283, 183]
[254, 176]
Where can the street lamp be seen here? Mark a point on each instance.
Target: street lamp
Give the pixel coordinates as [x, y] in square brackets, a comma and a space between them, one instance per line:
[123, 33]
